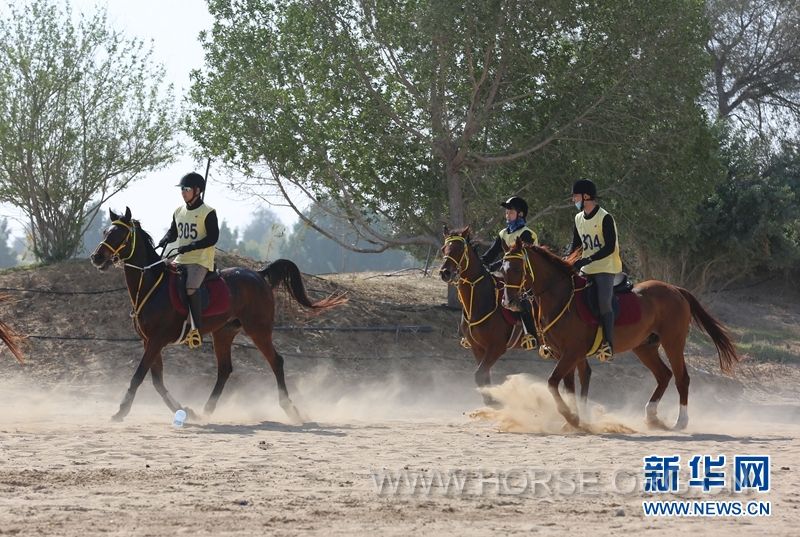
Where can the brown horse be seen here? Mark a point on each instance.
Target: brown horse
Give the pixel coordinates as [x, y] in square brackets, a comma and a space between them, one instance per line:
[482, 322]
[252, 309]
[666, 314]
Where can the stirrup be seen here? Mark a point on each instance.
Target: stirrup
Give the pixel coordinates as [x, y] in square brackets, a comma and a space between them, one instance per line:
[605, 353]
[528, 342]
[546, 352]
[465, 343]
[193, 338]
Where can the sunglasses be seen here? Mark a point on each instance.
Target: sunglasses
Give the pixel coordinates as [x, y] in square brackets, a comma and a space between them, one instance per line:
[186, 188]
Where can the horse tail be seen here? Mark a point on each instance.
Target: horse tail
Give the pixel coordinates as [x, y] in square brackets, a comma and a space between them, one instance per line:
[287, 272]
[715, 330]
[11, 339]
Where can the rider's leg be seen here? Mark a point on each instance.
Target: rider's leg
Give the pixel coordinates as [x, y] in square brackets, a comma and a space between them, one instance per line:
[195, 274]
[529, 338]
[605, 295]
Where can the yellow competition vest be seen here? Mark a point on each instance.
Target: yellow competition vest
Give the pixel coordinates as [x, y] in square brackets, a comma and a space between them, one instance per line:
[591, 234]
[510, 238]
[192, 227]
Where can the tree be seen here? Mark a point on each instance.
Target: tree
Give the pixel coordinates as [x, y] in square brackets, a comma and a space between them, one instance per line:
[755, 50]
[315, 253]
[263, 237]
[227, 238]
[81, 116]
[8, 258]
[420, 111]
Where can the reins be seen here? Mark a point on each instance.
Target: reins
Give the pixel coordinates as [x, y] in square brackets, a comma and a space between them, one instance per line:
[471, 283]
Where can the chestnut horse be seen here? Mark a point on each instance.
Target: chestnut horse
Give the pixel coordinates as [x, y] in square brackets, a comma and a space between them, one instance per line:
[482, 323]
[252, 309]
[666, 314]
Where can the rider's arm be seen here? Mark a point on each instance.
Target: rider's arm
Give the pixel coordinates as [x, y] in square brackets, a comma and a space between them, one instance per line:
[609, 238]
[212, 233]
[172, 233]
[576, 240]
[527, 237]
[491, 254]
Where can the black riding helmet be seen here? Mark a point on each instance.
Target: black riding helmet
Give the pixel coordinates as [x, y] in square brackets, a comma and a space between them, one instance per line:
[585, 186]
[194, 180]
[516, 203]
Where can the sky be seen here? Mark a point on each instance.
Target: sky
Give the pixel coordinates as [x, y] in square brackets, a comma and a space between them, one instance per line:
[173, 28]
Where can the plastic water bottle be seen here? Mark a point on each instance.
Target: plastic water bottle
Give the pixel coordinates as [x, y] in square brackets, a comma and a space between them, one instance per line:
[180, 418]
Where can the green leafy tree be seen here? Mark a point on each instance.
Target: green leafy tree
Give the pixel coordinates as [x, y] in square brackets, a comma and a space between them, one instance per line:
[415, 112]
[82, 113]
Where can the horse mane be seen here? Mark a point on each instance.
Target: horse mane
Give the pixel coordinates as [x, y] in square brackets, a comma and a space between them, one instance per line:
[561, 264]
[149, 247]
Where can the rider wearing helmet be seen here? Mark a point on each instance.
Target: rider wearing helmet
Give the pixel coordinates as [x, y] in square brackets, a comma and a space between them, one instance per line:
[195, 227]
[595, 232]
[516, 210]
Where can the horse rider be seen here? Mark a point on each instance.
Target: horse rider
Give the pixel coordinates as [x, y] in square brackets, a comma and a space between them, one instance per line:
[516, 209]
[595, 232]
[195, 227]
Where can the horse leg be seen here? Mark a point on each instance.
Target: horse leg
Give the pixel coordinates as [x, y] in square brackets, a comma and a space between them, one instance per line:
[569, 387]
[157, 374]
[565, 366]
[648, 355]
[263, 341]
[148, 357]
[585, 375]
[483, 375]
[223, 338]
[674, 349]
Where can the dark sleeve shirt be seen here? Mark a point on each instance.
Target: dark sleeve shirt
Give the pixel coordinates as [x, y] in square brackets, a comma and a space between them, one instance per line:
[212, 233]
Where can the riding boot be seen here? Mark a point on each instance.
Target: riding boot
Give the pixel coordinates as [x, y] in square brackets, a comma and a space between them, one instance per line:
[606, 351]
[529, 337]
[193, 338]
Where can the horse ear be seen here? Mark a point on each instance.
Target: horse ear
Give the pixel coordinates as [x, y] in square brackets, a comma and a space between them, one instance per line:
[465, 233]
[127, 214]
[112, 215]
[445, 230]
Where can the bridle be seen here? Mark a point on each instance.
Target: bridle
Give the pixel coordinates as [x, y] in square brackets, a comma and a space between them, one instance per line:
[131, 238]
[467, 305]
[529, 293]
[116, 251]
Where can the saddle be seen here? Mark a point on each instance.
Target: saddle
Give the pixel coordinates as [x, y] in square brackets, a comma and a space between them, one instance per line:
[215, 297]
[626, 306]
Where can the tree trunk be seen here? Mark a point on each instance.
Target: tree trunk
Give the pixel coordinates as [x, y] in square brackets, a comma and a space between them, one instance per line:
[455, 198]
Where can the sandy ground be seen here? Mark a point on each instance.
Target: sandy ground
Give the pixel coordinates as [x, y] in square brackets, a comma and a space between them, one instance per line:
[66, 470]
[388, 416]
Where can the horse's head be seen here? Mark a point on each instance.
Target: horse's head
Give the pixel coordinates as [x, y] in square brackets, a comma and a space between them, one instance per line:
[516, 275]
[118, 241]
[455, 254]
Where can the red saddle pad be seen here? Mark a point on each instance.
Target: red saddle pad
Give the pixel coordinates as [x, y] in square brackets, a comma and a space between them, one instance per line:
[219, 297]
[630, 310]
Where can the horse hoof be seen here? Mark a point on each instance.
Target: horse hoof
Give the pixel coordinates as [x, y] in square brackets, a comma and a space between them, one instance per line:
[656, 424]
[117, 417]
[680, 425]
[292, 413]
[191, 415]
